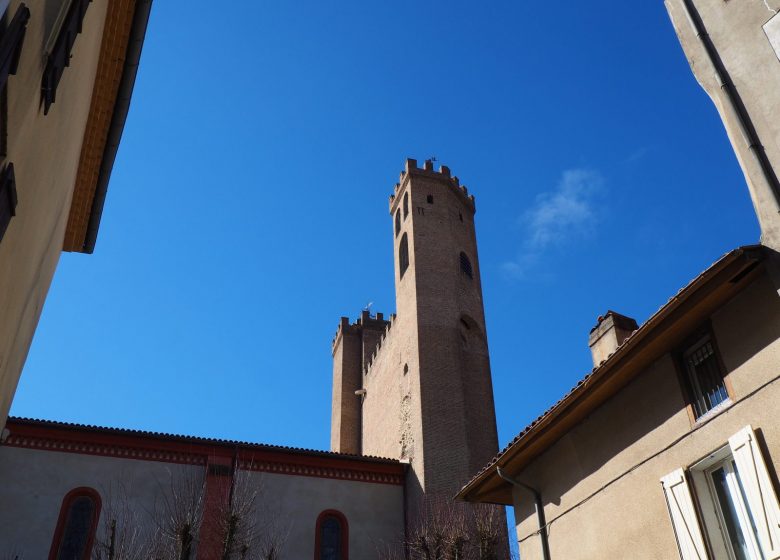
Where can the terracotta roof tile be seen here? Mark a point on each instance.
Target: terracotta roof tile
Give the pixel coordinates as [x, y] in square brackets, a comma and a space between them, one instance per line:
[197, 439]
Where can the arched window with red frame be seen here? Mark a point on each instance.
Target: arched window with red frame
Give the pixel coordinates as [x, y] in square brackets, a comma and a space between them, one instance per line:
[76, 525]
[332, 537]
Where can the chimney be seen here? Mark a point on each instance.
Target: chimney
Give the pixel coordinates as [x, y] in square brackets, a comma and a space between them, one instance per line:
[609, 333]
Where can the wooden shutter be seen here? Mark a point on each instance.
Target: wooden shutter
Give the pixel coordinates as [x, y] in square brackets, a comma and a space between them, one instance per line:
[11, 43]
[7, 197]
[759, 492]
[59, 57]
[683, 513]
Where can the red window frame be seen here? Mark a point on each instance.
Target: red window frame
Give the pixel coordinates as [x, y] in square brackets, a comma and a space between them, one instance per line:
[67, 502]
[344, 533]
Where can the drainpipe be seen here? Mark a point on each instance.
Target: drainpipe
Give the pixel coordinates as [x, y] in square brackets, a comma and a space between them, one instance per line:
[734, 103]
[539, 510]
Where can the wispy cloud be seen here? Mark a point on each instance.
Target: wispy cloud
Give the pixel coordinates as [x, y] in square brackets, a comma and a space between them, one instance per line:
[636, 155]
[564, 213]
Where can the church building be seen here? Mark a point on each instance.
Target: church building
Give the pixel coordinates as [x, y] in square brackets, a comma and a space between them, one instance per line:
[412, 420]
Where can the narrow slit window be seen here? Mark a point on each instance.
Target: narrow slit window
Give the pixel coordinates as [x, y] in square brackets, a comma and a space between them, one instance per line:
[406, 205]
[465, 266]
[403, 255]
[397, 222]
[430, 199]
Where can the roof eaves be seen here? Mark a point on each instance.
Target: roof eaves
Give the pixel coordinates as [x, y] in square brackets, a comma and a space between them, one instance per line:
[602, 369]
[195, 439]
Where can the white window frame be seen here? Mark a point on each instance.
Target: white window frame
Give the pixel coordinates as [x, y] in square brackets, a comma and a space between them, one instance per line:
[759, 502]
[744, 521]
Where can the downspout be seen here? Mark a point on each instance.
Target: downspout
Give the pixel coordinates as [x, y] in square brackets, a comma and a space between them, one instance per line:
[538, 506]
[734, 101]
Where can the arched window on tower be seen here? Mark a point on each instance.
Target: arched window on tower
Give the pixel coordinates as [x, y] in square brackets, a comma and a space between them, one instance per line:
[465, 266]
[332, 538]
[403, 255]
[397, 222]
[75, 532]
[406, 205]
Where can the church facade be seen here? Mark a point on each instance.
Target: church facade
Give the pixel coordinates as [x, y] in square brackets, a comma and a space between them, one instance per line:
[412, 419]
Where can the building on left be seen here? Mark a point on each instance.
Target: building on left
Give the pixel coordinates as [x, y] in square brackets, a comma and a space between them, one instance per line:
[67, 70]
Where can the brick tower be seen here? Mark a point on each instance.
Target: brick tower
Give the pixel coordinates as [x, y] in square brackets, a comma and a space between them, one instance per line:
[418, 386]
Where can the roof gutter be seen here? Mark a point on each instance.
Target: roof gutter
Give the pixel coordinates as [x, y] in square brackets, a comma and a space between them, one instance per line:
[121, 107]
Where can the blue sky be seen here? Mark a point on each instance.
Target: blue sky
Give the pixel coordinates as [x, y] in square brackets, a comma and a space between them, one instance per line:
[247, 210]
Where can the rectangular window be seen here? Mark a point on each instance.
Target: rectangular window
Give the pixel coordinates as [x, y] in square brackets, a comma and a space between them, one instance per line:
[703, 374]
[738, 516]
[727, 495]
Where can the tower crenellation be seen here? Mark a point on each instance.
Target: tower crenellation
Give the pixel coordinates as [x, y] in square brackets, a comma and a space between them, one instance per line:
[417, 387]
[428, 170]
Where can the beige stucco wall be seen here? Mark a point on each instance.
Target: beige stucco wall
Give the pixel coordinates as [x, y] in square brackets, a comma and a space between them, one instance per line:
[35, 483]
[374, 512]
[45, 152]
[737, 32]
[601, 482]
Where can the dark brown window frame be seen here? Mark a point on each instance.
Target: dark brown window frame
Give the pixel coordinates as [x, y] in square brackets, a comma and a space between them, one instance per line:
[59, 57]
[684, 376]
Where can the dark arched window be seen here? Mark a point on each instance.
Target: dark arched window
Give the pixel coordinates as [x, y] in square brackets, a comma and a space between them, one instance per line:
[397, 221]
[332, 538]
[403, 255]
[465, 265]
[76, 525]
[406, 205]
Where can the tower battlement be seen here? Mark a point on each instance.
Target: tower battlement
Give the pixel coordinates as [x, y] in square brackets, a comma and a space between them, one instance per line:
[443, 174]
[418, 387]
[372, 357]
[366, 320]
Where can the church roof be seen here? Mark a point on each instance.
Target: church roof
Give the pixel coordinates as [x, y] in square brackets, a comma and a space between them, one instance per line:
[684, 311]
[48, 435]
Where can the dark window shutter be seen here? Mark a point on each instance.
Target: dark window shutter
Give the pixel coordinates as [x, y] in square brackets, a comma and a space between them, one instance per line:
[59, 57]
[7, 197]
[11, 43]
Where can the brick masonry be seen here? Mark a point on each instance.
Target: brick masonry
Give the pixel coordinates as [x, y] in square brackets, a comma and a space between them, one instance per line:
[426, 373]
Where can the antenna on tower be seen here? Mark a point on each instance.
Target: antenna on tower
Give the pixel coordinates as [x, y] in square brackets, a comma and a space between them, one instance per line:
[432, 159]
[368, 306]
